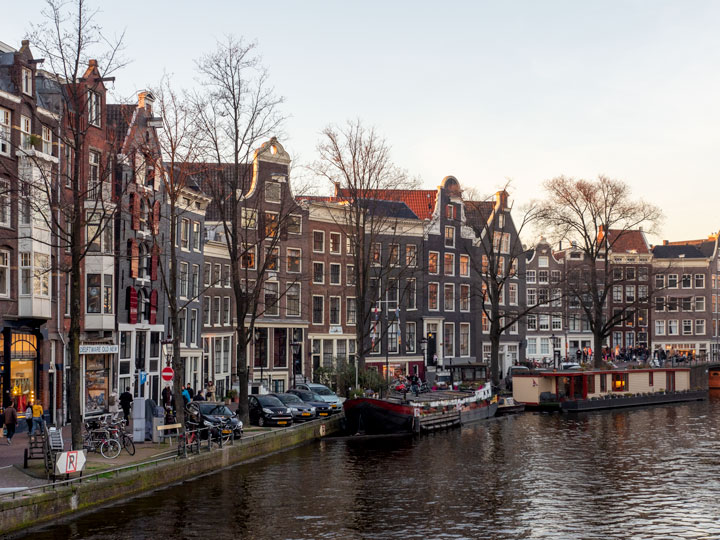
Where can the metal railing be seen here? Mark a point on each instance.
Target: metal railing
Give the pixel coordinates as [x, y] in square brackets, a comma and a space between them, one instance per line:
[169, 455]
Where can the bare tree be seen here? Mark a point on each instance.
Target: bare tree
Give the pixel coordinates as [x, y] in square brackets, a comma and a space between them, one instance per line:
[74, 47]
[594, 216]
[356, 159]
[236, 110]
[498, 262]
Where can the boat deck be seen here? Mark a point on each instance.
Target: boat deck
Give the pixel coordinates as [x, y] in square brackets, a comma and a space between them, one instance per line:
[428, 397]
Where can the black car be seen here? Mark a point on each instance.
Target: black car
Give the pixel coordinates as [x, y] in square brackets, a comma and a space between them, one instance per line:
[268, 410]
[322, 408]
[301, 411]
[213, 414]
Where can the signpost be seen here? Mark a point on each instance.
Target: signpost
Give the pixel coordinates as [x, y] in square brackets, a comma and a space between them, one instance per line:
[167, 374]
[70, 462]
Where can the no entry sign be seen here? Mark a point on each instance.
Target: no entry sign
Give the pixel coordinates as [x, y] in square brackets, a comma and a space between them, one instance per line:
[167, 374]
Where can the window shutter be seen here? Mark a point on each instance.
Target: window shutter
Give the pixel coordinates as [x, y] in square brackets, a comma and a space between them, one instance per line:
[153, 307]
[132, 302]
[156, 218]
[154, 262]
[455, 211]
[134, 256]
[135, 211]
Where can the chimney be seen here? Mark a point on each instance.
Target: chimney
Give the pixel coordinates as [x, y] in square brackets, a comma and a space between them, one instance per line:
[145, 101]
[560, 245]
[501, 200]
[92, 63]
[665, 242]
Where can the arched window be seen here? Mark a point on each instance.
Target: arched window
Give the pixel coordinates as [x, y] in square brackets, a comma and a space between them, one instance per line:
[144, 215]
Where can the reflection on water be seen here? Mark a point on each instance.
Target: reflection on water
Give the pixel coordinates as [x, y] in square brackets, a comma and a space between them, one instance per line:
[648, 473]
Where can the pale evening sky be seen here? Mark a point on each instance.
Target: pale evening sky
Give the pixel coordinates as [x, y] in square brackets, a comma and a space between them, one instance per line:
[484, 91]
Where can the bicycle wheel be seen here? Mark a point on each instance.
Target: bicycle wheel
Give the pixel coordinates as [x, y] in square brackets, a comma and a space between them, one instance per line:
[128, 444]
[110, 449]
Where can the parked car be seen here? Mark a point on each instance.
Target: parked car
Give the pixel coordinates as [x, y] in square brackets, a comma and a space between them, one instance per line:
[301, 411]
[269, 410]
[326, 395]
[514, 370]
[570, 365]
[214, 414]
[322, 408]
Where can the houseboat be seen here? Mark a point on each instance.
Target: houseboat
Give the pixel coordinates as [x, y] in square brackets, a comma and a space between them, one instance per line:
[417, 414]
[578, 390]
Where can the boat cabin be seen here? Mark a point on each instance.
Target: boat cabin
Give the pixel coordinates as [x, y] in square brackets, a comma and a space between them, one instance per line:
[558, 386]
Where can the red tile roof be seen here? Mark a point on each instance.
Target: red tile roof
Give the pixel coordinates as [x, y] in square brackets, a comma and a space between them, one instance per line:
[627, 241]
[420, 201]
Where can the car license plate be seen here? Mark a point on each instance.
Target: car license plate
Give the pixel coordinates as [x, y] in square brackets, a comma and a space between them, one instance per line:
[226, 431]
[306, 414]
[282, 422]
[323, 414]
[334, 406]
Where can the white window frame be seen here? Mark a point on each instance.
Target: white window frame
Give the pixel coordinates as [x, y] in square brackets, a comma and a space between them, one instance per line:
[687, 323]
[322, 311]
[5, 131]
[437, 264]
[464, 298]
[466, 353]
[452, 270]
[350, 301]
[27, 81]
[288, 295]
[465, 273]
[335, 300]
[5, 204]
[25, 132]
[448, 287]
[322, 281]
[291, 253]
[437, 296]
[94, 108]
[338, 251]
[330, 274]
[659, 327]
[4, 273]
[322, 250]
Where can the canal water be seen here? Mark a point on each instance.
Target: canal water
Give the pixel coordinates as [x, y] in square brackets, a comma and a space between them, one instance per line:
[643, 473]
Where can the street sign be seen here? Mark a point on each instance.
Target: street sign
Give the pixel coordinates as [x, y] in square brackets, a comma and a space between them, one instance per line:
[70, 462]
[167, 374]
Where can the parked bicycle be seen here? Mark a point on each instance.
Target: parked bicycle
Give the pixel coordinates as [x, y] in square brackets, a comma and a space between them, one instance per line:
[117, 431]
[98, 439]
[189, 440]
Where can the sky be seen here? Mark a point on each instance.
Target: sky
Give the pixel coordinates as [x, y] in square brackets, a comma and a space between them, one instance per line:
[484, 91]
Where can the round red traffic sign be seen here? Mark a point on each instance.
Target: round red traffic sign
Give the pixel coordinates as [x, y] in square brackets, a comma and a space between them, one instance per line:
[167, 374]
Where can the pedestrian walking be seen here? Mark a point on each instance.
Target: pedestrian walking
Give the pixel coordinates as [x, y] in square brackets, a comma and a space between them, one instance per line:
[10, 421]
[29, 417]
[37, 424]
[186, 396]
[209, 390]
[126, 400]
[191, 392]
[167, 396]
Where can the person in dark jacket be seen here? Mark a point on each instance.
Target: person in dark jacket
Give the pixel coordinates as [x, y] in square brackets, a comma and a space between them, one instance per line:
[126, 400]
[10, 421]
[198, 396]
[191, 392]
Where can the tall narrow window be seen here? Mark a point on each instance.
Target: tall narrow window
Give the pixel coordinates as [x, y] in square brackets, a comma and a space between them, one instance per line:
[293, 300]
[27, 82]
[5, 127]
[5, 204]
[93, 293]
[94, 108]
[4, 274]
[272, 307]
[94, 175]
[108, 293]
[46, 140]
[334, 310]
[41, 284]
[25, 133]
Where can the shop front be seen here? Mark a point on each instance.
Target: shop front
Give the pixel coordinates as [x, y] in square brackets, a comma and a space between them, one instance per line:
[97, 361]
[20, 368]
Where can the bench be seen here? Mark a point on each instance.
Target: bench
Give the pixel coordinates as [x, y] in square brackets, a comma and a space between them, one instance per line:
[167, 427]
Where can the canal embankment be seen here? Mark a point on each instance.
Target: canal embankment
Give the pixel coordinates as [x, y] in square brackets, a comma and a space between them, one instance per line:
[34, 506]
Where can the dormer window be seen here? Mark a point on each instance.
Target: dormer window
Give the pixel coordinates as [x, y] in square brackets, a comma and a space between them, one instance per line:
[94, 108]
[27, 81]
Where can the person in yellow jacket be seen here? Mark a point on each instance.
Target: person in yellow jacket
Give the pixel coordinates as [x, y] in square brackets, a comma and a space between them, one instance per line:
[37, 418]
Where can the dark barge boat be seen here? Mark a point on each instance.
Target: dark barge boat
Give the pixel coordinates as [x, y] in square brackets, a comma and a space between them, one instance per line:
[426, 412]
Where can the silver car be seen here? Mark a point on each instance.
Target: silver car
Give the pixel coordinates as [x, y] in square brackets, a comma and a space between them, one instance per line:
[301, 411]
[327, 395]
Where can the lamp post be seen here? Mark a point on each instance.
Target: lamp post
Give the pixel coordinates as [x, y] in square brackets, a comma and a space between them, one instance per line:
[423, 348]
[295, 346]
[555, 360]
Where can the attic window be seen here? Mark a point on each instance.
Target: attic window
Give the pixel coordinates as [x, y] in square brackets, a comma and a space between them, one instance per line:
[27, 81]
[94, 108]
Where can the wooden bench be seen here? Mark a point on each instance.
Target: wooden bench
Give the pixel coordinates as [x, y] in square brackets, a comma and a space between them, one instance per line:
[163, 429]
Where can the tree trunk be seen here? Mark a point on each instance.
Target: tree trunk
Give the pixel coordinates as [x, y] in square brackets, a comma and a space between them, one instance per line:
[242, 374]
[75, 363]
[495, 352]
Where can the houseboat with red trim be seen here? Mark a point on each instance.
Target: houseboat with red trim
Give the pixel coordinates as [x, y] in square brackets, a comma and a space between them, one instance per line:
[426, 412]
[579, 390]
